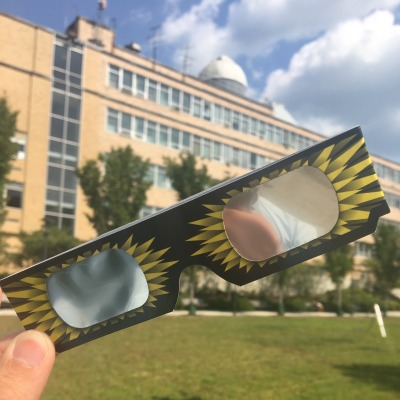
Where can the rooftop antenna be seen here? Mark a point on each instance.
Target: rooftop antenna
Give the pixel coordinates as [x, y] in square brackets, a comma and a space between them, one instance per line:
[187, 59]
[154, 38]
[102, 5]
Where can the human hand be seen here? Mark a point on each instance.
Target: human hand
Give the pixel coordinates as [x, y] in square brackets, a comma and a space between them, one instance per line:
[26, 360]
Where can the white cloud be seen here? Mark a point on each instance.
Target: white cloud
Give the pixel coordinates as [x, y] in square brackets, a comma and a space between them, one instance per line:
[348, 76]
[347, 73]
[195, 30]
[253, 27]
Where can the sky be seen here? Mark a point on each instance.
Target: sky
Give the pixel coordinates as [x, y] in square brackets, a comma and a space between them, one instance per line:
[333, 64]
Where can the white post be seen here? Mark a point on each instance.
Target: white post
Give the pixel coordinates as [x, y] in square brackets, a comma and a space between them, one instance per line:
[379, 319]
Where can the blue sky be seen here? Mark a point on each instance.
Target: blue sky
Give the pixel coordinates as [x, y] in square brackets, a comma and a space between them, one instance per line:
[333, 64]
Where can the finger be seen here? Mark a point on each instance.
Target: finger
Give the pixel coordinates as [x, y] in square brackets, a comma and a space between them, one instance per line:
[4, 342]
[25, 366]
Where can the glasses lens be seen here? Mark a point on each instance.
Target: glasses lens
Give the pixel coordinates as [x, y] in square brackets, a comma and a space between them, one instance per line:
[281, 214]
[96, 289]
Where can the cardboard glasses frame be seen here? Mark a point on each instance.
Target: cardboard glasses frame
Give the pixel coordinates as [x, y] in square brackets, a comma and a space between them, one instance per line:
[159, 247]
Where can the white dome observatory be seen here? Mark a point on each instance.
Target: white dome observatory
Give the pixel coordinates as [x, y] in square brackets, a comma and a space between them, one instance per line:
[224, 73]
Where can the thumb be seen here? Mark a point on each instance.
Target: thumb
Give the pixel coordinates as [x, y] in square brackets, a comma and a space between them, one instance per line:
[25, 366]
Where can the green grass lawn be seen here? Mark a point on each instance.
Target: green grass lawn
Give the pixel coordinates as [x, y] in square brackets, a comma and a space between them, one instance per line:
[233, 358]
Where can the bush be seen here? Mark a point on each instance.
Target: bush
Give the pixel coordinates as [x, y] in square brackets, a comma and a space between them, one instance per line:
[354, 300]
[224, 302]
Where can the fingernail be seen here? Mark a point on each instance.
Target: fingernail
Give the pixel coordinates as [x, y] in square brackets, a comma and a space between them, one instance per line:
[30, 349]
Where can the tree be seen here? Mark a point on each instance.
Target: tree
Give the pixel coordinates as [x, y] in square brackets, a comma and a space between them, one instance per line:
[302, 280]
[185, 177]
[188, 180]
[44, 243]
[385, 262]
[115, 186]
[339, 262]
[8, 149]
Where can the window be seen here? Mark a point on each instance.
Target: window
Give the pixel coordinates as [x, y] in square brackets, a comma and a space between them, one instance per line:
[113, 76]
[206, 148]
[207, 111]
[227, 117]
[69, 179]
[139, 128]
[236, 156]
[60, 57]
[164, 135]
[254, 127]
[227, 153]
[76, 63]
[54, 176]
[14, 195]
[245, 123]
[112, 120]
[55, 152]
[52, 200]
[263, 130]
[68, 203]
[363, 249]
[197, 145]
[73, 132]
[151, 132]
[140, 85]
[186, 140]
[197, 106]
[217, 114]
[217, 151]
[175, 139]
[152, 90]
[74, 108]
[235, 121]
[127, 82]
[176, 98]
[126, 124]
[21, 144]
[58, 106]
[245, 163]
[186, 102]
[164, 96]
[71, 155]
[148, 210]
[162, 179]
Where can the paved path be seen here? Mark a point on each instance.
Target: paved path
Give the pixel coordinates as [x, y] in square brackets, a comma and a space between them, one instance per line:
[203, 313]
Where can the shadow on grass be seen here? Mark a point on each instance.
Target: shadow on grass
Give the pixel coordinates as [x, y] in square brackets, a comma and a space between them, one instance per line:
[383, 376]
[182, 396]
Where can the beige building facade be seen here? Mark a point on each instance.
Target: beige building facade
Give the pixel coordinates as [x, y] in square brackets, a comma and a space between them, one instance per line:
[78, 94]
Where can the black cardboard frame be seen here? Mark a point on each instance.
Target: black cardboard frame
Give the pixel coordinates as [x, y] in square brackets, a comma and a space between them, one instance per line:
[191, 232]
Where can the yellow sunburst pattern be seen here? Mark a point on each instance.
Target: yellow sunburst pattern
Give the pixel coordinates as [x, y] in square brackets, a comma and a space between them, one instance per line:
[348, 167]
[31, 303]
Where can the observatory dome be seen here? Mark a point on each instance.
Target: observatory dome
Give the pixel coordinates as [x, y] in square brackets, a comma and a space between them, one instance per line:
[224, 73]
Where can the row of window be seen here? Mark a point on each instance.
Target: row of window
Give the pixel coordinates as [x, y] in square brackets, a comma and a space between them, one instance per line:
[393, 200]
[160, 93]
[363, 249]
[166, 136]
[385, 172]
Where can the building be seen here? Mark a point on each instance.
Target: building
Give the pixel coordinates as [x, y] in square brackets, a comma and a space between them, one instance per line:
[79, 94]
